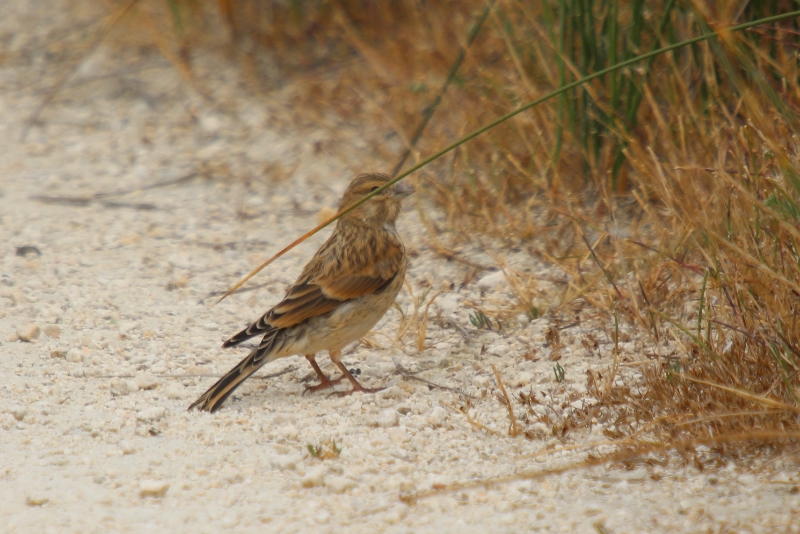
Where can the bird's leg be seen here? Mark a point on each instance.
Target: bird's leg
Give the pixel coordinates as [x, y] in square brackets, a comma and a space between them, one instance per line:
[324, 381]
[335, 355]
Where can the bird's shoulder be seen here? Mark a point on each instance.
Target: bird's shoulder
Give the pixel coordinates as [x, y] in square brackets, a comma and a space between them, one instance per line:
[355, 252]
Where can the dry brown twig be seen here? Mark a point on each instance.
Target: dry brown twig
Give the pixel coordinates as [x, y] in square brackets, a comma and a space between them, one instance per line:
[470, 420]
[513, 429]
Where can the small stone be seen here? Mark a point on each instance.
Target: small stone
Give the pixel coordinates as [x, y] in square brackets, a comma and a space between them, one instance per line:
[180, 282]
[315, 477]
[285, 462]
[398, 434]
[58, 353]
[438, 416]
[523, 319]
[120, 387]
[175, 391]
[211, 326]
[393, 392]
[498, 349]
[36, 500]
[388, 418]
[146, 381]
[417, 442]
[492, 280]
[153, 488]
[18, 412]
[52, 331]
[448, 304]
[481, 381]
[74, 355]
[289, 432]
[115, 424]
[151, 414]
[126, 447]
[126, 326]
[339, 484]
[396, 514]
[28, 332]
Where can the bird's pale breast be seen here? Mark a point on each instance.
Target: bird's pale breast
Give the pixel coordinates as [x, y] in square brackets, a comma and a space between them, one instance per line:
[347, 323]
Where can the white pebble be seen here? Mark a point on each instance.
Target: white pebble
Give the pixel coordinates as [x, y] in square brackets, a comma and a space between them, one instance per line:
[120, 387]
[448, 304]
[314, 477]
[151, 414]
[74, 355]
[396, 514]
[388, 418]
[285, 462]
[498, 349]
[18, 412]
[398, 434]
[418, 442]
[146, 381]
[126, 326]
[115, 424]
[153, 488]
[437, 416]
[393, 392]
[211, 326]
[28, 332]
[175, 391]
[52, 331]
[339, 484]
[492, 280]
[289, 432]
[126, 447]
[480, 381]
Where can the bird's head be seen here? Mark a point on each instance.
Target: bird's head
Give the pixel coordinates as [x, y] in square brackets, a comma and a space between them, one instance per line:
[382, 208]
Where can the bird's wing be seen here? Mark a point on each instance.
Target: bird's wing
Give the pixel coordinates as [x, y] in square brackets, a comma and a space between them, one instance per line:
[324, 286]
[339, 283]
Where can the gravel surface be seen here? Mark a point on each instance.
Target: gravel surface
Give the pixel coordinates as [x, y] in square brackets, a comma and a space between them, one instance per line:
[108, 331]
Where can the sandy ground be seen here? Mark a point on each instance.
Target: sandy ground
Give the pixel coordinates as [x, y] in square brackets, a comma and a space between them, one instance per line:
[121, 335]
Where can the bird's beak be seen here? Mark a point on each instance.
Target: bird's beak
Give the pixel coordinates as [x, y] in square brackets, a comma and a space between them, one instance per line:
[402, 190]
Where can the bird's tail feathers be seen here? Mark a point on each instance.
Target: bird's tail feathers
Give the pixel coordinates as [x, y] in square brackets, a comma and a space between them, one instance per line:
[212, 399]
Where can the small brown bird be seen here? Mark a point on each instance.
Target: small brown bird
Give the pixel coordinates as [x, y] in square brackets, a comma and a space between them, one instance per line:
[342, 293]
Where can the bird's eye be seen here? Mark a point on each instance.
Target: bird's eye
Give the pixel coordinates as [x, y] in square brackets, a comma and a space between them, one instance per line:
[374, 188]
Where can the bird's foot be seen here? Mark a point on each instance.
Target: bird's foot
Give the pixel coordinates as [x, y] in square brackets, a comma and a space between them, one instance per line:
[323, 384]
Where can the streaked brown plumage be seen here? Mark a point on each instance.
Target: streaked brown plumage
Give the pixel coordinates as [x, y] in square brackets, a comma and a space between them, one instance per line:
[341, 294]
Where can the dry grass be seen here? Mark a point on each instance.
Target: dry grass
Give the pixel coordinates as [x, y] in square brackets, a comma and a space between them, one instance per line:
[669, 194]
